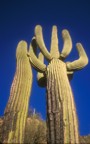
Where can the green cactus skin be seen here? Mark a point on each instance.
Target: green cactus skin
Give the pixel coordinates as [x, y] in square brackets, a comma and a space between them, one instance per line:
[54, 43]
[33, 59]
[40, 42]
[62, 124]
[67, 47]
[61, 113]
[17, 107]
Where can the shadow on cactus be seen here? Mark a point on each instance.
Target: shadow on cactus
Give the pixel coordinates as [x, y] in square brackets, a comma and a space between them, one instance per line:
[62, 123]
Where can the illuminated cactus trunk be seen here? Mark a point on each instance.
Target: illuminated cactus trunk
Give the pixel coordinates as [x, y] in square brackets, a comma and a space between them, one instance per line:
[62, 124]
[61, 113]
[16, 110]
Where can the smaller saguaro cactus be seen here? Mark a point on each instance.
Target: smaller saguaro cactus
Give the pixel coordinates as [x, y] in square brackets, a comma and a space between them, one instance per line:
[62, 123]
[17, 107]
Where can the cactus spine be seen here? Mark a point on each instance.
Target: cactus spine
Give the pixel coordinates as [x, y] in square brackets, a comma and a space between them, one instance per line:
[17, 107]
[62, 124]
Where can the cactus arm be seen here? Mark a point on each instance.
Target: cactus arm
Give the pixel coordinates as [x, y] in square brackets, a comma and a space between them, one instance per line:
[41, 79]
[37, 64]
[81, 62]
[40, 42]
[67, 47]
[54, 43]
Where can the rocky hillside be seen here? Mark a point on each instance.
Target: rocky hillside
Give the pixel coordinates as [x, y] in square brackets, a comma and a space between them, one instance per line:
[1, 122]
[36, 131]
[85, 139]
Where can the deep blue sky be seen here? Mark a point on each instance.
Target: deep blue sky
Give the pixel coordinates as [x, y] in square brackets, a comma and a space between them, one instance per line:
[17, 21]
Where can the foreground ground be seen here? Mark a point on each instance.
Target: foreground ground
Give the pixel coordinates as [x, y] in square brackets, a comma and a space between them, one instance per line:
[35, 132]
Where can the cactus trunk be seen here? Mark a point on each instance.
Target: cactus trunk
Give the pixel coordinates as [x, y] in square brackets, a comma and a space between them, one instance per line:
[17, 107]
[62, 122]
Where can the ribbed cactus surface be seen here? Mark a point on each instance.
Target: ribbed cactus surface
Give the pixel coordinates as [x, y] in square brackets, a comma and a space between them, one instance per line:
[62, 124]
[61, 113]
[17, 106]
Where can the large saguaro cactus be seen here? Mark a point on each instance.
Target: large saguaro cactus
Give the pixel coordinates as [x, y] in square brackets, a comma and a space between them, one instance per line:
[62, 124]
[17, 107]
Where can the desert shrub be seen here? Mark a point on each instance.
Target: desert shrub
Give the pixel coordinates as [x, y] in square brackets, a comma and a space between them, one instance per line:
[35, 132]
[1, 122]
[85, 139]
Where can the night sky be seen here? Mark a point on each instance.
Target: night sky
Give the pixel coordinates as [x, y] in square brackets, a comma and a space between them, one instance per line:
[18, 19]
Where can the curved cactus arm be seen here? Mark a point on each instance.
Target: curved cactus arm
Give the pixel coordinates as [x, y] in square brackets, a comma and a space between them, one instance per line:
[54, 43]
[81, 62]
[40, 42]
[37, 64]
[67, 47]
[41, 79]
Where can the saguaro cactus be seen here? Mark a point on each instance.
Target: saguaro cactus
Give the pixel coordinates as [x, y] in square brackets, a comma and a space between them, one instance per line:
[62, 124]
[17, 107]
